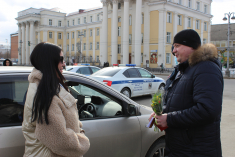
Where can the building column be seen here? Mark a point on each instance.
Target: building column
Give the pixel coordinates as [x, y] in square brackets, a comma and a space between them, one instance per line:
[44, 36]
[175, 24]
[27, 40]
[93, 45]
[64, 44]
[114, 33]
[70, 47]
[162, 37]
[125, 25]
[133, 7]
[31, 36]
[19, 45]
[185, 21]
[104, 34]
[87, 43]
[23, 44]
[75, 46]
[137, 55]
[39, 40]
[202, 28]
[122, 28]
[55, 37]
[209, 32]
[194, 23]
[146, 33]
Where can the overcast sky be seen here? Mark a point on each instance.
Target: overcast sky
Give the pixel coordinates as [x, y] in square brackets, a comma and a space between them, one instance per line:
[10, 8]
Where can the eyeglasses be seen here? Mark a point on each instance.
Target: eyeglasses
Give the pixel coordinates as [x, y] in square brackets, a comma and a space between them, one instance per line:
[62, 59]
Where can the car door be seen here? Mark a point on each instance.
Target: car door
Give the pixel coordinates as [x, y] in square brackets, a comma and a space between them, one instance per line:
[109, 131]
[147, 81]
[135, 81]
[84, 70]
[12, 96]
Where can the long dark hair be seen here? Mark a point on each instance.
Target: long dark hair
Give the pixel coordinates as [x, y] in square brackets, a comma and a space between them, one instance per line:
[4, 63]
[45, 57]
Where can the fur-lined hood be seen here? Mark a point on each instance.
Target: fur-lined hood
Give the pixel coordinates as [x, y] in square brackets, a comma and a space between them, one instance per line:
[203, 53]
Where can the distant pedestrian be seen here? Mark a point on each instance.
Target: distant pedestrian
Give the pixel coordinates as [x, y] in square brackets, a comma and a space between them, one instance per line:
[7, 62]
[51, 125]
[162, 68]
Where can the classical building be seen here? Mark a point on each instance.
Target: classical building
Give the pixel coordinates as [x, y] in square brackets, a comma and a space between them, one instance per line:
[122, 31]
[219, 37]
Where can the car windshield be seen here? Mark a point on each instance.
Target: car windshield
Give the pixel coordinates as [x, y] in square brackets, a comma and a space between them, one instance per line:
[106, 72]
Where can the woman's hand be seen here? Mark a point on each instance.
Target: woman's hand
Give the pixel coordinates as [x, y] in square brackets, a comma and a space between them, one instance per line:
[162, 120]
[152, 115]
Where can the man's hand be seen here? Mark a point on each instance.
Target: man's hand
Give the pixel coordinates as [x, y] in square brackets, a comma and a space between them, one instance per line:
[161, 120]
[151, 116]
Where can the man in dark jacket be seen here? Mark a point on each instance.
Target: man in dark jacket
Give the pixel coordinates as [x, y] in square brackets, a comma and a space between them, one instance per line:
[193, 99]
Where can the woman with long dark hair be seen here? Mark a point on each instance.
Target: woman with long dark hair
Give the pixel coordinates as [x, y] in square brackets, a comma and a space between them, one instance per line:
[51, 125]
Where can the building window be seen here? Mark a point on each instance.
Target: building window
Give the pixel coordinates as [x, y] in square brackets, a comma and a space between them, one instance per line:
[84, 46]
[204, 41]
[180, 2]
[59, 23]
[119, 19]
[189, 22]
[50, 34]
[90, 18]
[169, 17]
[205, 26]
[130, 38]
[67, 47]
[68, 23]
[97, 46]
[98, 17]
[59, 36]
[189, 3]
[84, 33]
[84, 20]
[67, 35]
[198, 5]
[130, 20]
[119, 31]
[97, 59]
[73, 35]
[73, 22]
[142, 38]
[168, 37]
[179, 20]
[119, 48]
[97, 32]
[50, 22]
[205, 8]
[78, 34]
[78, 20]
[142, 19]
[90, 32]
[197, 24]
[90, 58]
[142, 58]
[72, 47]
[90, 46]
[168, 58]
[119, 5]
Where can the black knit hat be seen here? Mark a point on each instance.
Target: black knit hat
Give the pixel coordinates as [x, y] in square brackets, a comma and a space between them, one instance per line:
[188, 37]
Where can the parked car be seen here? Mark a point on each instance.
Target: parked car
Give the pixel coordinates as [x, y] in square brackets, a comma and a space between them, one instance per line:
[130, 80]
[84, 69]
[114, 124]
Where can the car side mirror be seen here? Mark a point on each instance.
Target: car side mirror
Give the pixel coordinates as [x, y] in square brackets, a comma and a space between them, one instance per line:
[130, 109]
[153, 76]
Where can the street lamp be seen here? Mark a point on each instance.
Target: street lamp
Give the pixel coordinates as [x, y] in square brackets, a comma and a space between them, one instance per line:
[81, 35]
[225, 19]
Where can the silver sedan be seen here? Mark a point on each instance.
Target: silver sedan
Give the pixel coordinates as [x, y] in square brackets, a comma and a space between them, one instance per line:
[115, 125]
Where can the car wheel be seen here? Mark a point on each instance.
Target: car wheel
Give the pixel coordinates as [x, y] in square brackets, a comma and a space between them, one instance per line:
[157, 149]
[161, 87]
[126, 92]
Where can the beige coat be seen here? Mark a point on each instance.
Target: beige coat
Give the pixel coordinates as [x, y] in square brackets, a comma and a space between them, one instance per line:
[62, 137]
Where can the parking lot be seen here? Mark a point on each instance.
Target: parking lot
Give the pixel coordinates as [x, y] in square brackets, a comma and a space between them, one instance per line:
[227, 120]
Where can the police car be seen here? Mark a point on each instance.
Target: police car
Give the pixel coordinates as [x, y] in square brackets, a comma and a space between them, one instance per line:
[130, 80]
[84, 69]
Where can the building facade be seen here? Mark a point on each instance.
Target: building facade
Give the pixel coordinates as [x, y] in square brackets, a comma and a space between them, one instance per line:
[122, 31]
[14, 47]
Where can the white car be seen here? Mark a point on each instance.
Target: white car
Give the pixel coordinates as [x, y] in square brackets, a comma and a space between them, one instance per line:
[84, 69]
[130, 80]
